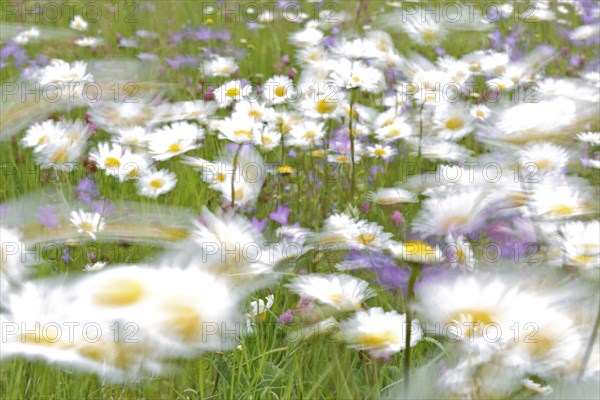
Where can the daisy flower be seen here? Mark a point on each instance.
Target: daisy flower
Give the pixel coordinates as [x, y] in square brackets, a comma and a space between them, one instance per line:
[452, 122]
[389, 196]
[155, 183]
[592, 138]
[78, 23]
[41, 134]
[381, 151]
[580, 242]
[175, 139]
[310, 36]
[61, 154]
[553, 199]
[89, 42]
[86, 222]
[97, 266]
[480, 112]
[254, 110]
[12, 266]
[220, 67]
[308, 133]
[239, 129]
[396, 129]
[380, 333]
[259, 308]
[441, 150]
[109, 158]
[231, 92]
[545, 156]
[458, 214]
[135, 136]
[416, 251]
[355, 74]
[279, 89]
[342, 292]
[368, 235]
[59, 71]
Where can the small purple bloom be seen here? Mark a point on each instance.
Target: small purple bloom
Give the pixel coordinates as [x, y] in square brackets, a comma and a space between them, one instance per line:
[66, 256]
[259, 224]
[280, 215]
[47, 217]
[397, 218]
[285, 318]
[86, 190]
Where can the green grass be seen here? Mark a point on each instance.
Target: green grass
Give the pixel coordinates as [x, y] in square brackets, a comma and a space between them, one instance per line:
[268, 365]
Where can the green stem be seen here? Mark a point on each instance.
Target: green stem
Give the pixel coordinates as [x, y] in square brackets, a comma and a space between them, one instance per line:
[420, 132]
[235, 160]
[590, 347]
[351, 133]
[414, 274]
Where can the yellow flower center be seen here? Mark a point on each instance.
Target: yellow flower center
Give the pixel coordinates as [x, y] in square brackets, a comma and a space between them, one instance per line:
[378, 339]
[561, 210]
[86, 226]
[60, 156]
[243, 132]
[119, 292]
[326, 107]
[156, 183]
[310, 135]
[266, 139]
[112, 162]
[430, 36]
[238, 194]
[174, 148]
[183, 320]
[232, 92]
[457, 220]
[455, 123]
[220, 177]
[380, 152]
[280, 91]
[254, 113]
[471, 321]
[366, 238]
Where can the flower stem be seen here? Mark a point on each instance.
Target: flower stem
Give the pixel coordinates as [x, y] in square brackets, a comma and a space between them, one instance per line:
[590, 347]
[351, 133]
[235, 161]
[414, 274]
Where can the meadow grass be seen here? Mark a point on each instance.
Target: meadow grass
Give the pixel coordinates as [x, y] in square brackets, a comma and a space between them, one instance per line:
[267, 365]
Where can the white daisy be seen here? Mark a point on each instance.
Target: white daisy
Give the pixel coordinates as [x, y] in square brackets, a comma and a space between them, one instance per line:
[308, 133]
[381, 151]
[389, 196]
[279, 89]
[175, 139]
[342, 292]
[220, 66]
[378, 332]
[86, 222]
[89, 42]
[155, 183]
[78, 23]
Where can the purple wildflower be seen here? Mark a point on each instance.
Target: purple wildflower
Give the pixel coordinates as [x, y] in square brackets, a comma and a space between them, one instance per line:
[281, 214]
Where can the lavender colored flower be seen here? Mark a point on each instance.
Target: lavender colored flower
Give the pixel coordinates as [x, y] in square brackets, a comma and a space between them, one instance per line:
[281, 214]
[285, 318]
[47, 217]
[259, 224]
[66, 257]
[397, 218]
[86, 190]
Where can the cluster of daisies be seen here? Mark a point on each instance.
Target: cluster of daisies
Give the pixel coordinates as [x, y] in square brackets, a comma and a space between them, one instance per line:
[499, 260]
